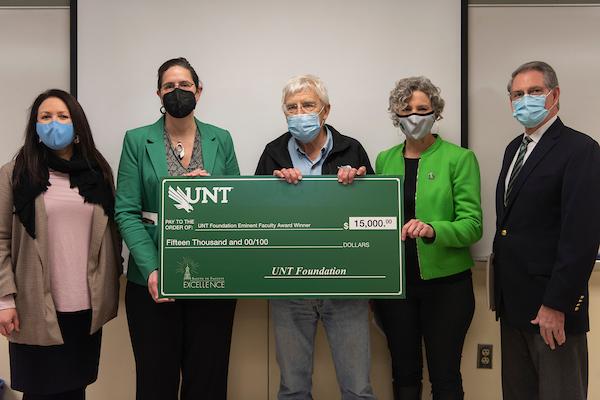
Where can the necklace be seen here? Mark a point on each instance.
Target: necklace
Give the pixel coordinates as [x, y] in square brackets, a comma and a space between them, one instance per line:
[179, 150]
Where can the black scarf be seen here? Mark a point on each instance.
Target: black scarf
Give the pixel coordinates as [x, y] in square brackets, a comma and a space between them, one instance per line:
[83, 174]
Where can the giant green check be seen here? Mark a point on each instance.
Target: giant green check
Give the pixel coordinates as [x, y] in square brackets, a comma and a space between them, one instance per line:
[262, 237]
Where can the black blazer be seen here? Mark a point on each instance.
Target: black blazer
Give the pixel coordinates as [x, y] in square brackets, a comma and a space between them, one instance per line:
[548, 234]
[345, 151]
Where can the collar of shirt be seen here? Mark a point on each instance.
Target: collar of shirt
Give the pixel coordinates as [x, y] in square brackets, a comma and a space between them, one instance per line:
[537, 135]
[301, 161]
[535, 138]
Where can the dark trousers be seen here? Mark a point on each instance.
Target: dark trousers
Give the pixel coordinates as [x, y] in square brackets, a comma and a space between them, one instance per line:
[78, 394]
[440, 314]
[187, 337]
[533, 371]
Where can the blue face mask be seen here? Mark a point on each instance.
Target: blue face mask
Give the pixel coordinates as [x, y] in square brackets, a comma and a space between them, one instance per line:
[55, 135]
[530, 110]
[304, 127]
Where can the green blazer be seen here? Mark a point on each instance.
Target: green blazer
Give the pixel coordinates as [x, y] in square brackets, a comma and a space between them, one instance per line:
[448, 199]
[143, 163]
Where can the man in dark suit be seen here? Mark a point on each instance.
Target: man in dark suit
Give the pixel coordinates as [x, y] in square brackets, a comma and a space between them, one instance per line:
[546, 242]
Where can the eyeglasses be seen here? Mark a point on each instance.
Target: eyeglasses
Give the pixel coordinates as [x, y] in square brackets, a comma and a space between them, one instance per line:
[536, 91]
[173, 85]
[306, 107]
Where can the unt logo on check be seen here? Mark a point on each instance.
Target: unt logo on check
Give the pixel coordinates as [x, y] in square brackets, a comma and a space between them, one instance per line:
[184, 201]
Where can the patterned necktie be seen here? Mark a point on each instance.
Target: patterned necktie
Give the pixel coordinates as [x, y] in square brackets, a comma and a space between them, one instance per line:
[517, 167]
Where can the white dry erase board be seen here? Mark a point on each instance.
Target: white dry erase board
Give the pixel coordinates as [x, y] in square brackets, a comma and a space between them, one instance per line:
[245, 51]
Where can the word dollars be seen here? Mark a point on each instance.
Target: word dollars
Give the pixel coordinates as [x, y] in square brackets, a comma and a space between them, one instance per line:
[183, 198]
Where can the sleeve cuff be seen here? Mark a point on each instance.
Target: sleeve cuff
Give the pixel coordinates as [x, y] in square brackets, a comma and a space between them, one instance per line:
[427, 240]
[7, 302]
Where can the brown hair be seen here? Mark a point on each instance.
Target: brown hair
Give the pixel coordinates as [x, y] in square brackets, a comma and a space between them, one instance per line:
[180, 62]
[31, 158]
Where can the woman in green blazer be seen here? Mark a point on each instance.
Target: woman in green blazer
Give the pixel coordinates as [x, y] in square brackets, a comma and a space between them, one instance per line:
[187, 338]
[442, 218]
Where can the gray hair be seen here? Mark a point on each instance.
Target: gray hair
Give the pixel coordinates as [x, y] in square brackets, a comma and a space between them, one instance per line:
[400, 95]
[303, 82]
[550, 79]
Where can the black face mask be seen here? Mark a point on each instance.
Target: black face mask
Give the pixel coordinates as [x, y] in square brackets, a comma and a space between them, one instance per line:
[179, 103]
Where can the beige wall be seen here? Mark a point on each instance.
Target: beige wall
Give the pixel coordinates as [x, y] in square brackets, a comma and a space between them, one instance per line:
[253, 370]
[22, 75]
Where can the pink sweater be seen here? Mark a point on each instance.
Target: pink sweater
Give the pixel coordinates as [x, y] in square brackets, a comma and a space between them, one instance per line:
[69, 232]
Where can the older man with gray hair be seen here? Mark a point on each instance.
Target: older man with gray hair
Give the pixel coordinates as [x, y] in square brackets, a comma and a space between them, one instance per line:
[311, 147]
[547, 236]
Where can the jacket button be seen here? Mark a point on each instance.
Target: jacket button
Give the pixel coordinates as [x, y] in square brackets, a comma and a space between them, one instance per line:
[577, 308]
[503, 232]
[581, 297]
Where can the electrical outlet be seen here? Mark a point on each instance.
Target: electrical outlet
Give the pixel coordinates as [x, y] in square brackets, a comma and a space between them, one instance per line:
[484, 355]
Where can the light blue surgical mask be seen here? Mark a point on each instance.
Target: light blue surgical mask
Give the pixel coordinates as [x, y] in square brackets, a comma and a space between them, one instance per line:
[304, 127]
[55, 135]
[531, 110]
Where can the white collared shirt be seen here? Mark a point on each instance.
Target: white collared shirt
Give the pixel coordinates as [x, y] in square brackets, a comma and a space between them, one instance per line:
[535, 138]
